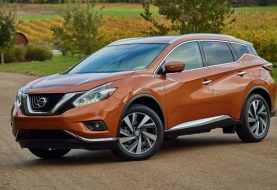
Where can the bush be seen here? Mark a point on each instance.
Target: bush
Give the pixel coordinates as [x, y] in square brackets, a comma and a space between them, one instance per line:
[36, 53]
[79, 34]
[14, 54]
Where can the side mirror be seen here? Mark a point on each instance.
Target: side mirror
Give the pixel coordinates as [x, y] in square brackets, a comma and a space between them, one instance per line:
[174, 67]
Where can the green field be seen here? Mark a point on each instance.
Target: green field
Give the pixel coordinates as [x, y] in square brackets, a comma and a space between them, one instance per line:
[129, 10]
[56, 65]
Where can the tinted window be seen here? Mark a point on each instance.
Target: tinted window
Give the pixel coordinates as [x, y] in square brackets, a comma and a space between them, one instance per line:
[188, 53]
[240, 49]
[217, 53]
[119, 58]
[251, 49]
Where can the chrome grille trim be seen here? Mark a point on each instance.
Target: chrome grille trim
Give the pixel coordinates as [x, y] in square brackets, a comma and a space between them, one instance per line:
[28, 109]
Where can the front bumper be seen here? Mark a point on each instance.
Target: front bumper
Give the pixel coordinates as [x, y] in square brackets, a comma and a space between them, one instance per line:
[72, 122]
[45, 139]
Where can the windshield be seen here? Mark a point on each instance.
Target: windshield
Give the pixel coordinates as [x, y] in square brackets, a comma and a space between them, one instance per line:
[118, 58]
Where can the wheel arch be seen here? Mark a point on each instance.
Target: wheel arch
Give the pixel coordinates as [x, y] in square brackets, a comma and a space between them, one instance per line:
[257, 90]
[146, 100]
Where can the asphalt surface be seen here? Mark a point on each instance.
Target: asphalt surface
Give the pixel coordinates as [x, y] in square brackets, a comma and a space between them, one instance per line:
[206, 161]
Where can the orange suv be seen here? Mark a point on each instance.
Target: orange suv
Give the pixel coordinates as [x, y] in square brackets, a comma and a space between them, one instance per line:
[134, 93]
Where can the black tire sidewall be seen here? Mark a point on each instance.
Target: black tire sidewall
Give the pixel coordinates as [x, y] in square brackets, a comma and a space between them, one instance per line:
[121, 152]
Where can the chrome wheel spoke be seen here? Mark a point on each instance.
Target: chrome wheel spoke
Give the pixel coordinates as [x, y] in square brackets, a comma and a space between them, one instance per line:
[149, 125]
[264, 114]
[125, 133]
[139, 146]
[128, 122]
[255, 106]
[134, 119]
[145, 119]
[258, 117]
[257, 129]
[133, 146]
[151, 136]
[147, 141]
[254, 127]
[138, 133]
[264, 124]
[250, 113]
[126, 139]
[262, 110]
[251, 119]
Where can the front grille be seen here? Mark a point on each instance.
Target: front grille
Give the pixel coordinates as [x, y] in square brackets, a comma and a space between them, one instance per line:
[43, 135]
[44, 102]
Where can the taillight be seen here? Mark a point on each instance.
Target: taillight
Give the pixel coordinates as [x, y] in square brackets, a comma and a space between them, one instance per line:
[268, 66]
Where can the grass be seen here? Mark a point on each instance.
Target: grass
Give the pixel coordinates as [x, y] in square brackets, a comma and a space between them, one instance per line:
[256, 9]
[56, 65]
[118, 9]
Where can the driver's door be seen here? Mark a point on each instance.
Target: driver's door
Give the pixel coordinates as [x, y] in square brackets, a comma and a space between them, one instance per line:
[189, 95]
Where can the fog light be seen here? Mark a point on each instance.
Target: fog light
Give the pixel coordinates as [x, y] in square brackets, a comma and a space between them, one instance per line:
[95, 125]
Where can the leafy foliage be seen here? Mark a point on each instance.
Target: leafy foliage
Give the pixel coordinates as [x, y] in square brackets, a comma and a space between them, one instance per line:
[157, 28]
[188, 16]
[79, 34]
[37, 53]
[13, 54]
[7, 27]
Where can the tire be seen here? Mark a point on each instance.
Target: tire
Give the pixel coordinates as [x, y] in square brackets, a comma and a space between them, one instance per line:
[49, 153]
[255, 119]
[140, 133]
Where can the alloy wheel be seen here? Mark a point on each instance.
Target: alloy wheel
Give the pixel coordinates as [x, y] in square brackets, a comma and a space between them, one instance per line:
[258, 118]
[138, 133]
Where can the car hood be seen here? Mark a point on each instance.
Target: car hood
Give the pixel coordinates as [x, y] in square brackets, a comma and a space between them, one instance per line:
[66, 83]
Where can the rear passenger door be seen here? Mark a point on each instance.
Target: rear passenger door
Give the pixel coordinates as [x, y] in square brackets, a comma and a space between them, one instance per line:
[228, 77]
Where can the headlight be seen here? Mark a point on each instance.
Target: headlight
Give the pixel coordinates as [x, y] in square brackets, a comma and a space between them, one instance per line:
[18, 99]
[95, 95]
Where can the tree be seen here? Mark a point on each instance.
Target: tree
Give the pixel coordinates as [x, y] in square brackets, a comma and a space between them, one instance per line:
[7, 27]
[79, 34]
[188, 16]
[157, 28]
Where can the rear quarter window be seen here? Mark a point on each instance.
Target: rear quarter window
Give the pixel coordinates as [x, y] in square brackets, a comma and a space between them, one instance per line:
[251, 49]
[240, 50]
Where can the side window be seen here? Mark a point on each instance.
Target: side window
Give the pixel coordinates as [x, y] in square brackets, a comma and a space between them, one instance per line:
[217, 52]
[251, 49]
[189, 53]
[240, 49]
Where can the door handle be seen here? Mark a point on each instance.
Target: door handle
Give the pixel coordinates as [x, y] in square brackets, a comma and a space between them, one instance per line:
[241, 73]
[206, 82]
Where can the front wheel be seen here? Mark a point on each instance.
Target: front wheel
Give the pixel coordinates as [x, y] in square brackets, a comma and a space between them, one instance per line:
[255, 120]
[49, 153]
[140, 134]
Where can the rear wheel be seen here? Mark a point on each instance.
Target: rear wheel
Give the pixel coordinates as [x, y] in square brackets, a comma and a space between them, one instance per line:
[140, 134]
[49, 153]
[255, 119]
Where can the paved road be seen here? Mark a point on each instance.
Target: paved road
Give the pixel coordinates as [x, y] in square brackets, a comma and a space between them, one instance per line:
[206, 161]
